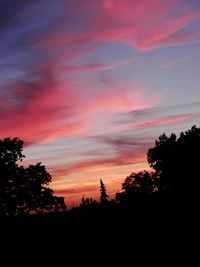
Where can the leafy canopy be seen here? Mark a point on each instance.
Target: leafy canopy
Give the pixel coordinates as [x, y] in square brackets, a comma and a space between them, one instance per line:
[24, 189]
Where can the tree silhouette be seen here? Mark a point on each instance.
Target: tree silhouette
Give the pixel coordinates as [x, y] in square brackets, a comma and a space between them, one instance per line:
[103, 195]
[88, 202]
[24, 190]
[175, 162]
[139, 182]
[137, 185]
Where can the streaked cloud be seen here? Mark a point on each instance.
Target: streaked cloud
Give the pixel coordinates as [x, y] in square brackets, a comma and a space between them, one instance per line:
[126, 22]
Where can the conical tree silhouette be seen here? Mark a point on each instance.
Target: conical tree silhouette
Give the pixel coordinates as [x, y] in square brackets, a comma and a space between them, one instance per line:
[103, 197]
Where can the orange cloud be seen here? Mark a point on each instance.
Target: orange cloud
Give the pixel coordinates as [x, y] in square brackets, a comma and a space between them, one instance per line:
[122, 153]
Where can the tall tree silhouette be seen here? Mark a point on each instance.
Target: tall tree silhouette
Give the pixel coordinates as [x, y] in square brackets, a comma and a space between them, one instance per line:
[175, 161]
[103, 195]
[24, 190]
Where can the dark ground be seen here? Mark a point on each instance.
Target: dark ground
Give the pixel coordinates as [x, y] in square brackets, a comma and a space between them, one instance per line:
[103, 237]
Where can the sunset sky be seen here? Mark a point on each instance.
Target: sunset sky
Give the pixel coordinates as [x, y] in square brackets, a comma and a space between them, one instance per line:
[90, 84]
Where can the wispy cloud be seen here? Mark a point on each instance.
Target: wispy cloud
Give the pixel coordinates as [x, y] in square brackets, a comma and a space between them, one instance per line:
[159, 112]
[34, 108]
[164, 121]
[122, 151]
[172, 63]
[126, 22]
[177, 61]
[41, 108]
[96, 66]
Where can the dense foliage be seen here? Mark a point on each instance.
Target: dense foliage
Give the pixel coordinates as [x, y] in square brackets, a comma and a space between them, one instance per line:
[24, 189]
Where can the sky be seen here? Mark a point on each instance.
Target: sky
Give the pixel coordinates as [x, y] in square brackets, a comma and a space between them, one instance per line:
[88, 85]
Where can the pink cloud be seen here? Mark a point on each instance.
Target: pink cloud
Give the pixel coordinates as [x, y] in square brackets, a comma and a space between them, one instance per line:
[132, 23]
[119, 98]
[34, 110]
[43, 107]
[167, 33]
